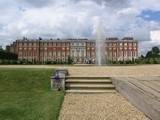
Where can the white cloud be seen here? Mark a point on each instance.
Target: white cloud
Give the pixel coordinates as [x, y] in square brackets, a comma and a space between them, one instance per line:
[72, 18]
[155, 36]
[146, 4]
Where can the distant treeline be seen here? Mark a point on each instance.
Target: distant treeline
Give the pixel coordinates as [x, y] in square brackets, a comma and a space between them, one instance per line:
[152, 56]
[4, 55]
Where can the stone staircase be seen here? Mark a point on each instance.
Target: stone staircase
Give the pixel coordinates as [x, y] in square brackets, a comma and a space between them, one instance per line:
[88, 85]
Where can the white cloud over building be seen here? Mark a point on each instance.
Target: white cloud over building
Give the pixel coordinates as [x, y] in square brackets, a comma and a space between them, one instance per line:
[72, 18]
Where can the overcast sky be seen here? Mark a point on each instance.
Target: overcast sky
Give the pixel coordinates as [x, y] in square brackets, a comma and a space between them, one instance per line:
[77, 18]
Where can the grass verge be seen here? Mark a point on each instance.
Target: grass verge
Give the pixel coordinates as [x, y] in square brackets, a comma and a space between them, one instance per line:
[25, 95]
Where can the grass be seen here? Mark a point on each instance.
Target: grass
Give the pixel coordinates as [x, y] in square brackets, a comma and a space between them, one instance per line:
[25, 95]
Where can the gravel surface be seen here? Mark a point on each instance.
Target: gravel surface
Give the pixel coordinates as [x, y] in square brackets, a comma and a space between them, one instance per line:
[114, 71]
[109, 106]
[139, 70]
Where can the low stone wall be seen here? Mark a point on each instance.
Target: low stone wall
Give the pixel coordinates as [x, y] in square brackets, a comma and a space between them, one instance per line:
[142, 93]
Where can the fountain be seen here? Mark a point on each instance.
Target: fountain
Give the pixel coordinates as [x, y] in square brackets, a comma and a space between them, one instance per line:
[100, 44]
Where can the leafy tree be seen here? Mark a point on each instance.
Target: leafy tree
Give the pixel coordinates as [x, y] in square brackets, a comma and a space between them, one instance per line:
[155, 50]
[142, 57]
[149, 54]
[70, 60]
[153, 56]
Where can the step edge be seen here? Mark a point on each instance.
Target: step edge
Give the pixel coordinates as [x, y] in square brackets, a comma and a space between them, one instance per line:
[91, 85]
[88, 81]
[90, 91]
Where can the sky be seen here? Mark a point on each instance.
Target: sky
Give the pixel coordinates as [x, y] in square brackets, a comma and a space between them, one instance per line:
[77, 19]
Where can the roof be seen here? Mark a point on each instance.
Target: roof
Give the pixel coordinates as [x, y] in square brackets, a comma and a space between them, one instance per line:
[71, 39]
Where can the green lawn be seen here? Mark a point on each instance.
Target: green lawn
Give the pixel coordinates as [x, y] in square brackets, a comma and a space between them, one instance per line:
[25, 95]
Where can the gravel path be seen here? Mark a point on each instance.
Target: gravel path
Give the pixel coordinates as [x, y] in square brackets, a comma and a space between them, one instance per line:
[112, 71]
[110, 106]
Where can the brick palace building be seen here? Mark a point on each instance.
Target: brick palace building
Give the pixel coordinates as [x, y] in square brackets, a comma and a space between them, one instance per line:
[80, 50]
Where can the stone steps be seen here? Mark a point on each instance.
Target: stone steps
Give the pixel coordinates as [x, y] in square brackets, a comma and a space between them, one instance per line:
[90, 91]
[109, 86]
[89, 85]
[86, 77]
[88, 81]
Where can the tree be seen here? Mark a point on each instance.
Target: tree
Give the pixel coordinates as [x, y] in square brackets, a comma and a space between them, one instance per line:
[70, 60]
[149, 54]
[142, 57]
[155, 52]
[153, 56]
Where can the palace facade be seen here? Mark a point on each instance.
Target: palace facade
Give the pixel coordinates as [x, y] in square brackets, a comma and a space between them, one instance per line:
[80, 50]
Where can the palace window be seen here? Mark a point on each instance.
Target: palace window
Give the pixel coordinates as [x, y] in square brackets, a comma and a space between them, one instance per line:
[63, 59]
[25, 44]
[34, 44]
[54, 54]
[82, 52]
[67, 44]
[50, 44]
[54, 44]
[88, 44]
[77, 44]
[50, 54]
[59, 54]
[45, 44]
[20, 44]
[72, 52]
[63, 44]
[63, 54]
[45, 54]
[59, 44]
[92, 54]
[130, 44]
[30, 44]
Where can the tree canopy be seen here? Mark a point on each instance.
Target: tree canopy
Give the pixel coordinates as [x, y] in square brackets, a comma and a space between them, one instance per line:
[154, 53]
[7, 55]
